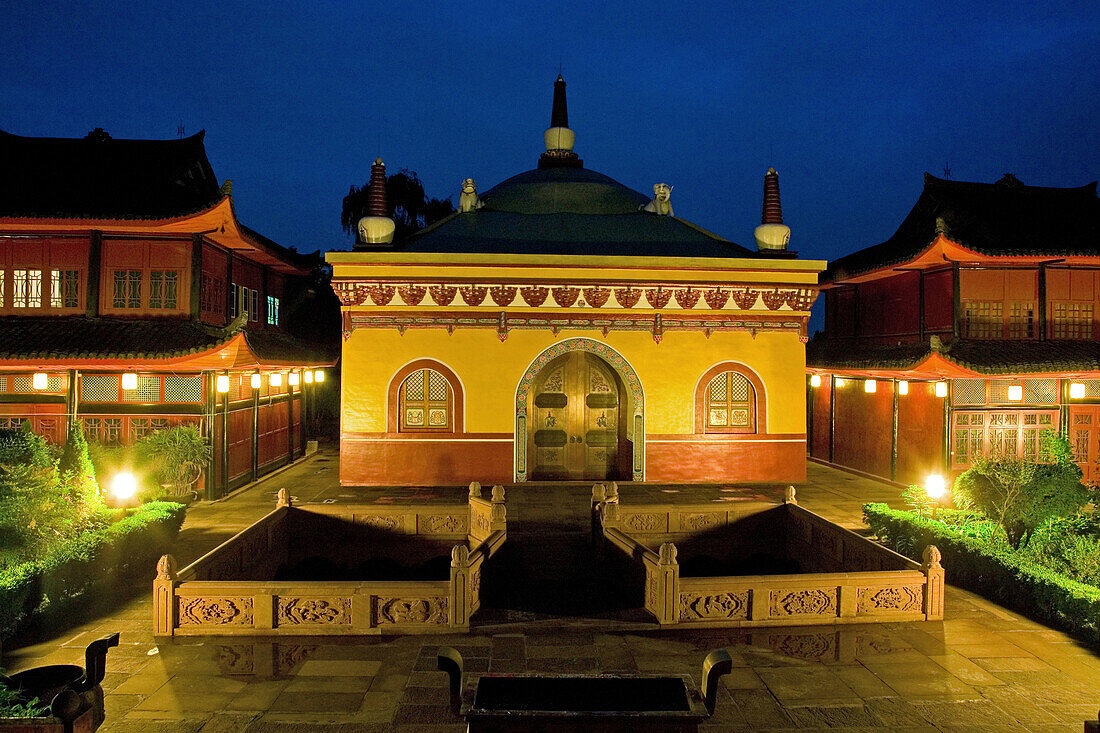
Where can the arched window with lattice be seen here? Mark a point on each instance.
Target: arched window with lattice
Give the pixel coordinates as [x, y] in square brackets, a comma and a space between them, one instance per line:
[426, 402]
[730, 404]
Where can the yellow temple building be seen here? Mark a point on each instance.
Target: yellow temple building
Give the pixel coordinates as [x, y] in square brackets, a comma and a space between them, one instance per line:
[562, 326]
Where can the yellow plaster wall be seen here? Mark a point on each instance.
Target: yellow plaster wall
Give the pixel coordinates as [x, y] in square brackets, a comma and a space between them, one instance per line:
[490, 370]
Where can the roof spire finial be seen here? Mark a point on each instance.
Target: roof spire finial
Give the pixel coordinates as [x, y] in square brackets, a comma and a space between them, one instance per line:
[376, 227]
[559, 138]
[772, 234]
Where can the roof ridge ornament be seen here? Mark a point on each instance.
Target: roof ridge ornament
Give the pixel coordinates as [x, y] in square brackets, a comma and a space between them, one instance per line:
[468, 199]
[661, 203]
[559, 138]
[376, 227]
[772, 235]
[227, 188]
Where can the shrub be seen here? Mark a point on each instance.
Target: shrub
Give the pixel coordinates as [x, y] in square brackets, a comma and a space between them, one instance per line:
[76, 471]
[917, 498]
[994, 570]
[97, 559]
[12, 705]
[176, 456]
[1022, 495]
[25, 447]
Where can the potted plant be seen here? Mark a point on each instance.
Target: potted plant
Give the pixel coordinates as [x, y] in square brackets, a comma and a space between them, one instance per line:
[177, 457]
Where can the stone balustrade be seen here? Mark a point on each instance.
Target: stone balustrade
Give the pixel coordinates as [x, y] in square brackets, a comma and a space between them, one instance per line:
[230, 591]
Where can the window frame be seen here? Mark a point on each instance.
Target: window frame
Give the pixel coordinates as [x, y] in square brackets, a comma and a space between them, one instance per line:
[395, 402]
[758, 403]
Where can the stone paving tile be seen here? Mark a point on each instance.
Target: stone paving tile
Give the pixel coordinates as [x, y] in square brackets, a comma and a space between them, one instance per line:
[317, 702]
[760, 709]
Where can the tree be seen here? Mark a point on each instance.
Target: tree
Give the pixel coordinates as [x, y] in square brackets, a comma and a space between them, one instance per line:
[1021, 495]
[76, 469]
[406, 203]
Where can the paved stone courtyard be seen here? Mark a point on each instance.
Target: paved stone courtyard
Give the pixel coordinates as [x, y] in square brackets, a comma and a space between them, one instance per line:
[982, 668]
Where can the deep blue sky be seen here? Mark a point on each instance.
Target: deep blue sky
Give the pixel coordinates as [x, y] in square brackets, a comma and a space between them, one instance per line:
[851, 102]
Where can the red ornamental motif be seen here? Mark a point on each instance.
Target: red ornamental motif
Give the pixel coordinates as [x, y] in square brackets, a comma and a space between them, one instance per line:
[745, 299]
[565, 297]
[533, 295]
[716, 298]
[773, 299]
[502, 295]
[473, 294]
[658, 298]
[442, 294]
[380, 294]
[627, 297]
[687, 298]
[412, 294]
[597, 296]
[801, 299]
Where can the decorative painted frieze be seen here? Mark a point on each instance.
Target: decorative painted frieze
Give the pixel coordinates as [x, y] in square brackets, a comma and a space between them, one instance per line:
[502, 295]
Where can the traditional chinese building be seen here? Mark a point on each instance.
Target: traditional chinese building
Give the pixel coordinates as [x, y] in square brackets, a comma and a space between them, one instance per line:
[564, 326]
[970, 331]
[133, 299]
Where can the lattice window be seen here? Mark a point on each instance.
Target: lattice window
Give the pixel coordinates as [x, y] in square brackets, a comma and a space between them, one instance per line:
[968, 392]
[272, 310]
[3, 384]
[139, 428]
[730, 404]
[163, 286]
[64, 288]
[3, 288]
[1072, 320]
[1041, 391]
[127, 289]
[984, 319]
[148, 390]
[26, 288]
[21, 384]
[99, 387]
[998, 391]
[1021, 320]
[254, 314]
[425, 401]
[1000, 433]
[183, 389]
[211, 294]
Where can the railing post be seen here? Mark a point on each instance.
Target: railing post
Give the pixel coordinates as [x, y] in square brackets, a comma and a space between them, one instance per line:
[164, 597]
[460, 586]
[668, 585]
[498, 514]
[933, 588]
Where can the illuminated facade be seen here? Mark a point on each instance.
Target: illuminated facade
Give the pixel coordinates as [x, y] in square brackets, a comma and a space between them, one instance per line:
[978, 324]
[127, 286]
[563, 326]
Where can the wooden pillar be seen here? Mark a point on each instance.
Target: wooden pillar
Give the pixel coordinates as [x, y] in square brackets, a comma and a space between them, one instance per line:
[956, 300]
[95, 268]
[196, 276]
[289, 417]
[832, 416]
[1041, 316]
[256, 432]
[809, 417]
[72, 402]
[920, 304]
[225, 440]
[947, 430]
[894, 435]
[210, 396]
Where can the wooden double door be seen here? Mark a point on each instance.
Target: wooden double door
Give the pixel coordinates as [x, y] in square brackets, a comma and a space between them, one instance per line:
[1084, 437]
[576, 426]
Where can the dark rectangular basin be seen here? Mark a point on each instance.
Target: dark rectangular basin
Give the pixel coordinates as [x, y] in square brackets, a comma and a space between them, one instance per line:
[581, 694]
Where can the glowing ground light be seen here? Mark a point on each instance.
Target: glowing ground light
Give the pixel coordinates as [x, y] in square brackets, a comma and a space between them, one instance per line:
[123, 486]
[935, 486]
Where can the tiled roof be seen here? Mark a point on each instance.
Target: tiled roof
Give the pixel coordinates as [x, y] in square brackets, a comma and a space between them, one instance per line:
[97, 177]
[78, 337]
[568, 211]
[982, 356]
[999, 219]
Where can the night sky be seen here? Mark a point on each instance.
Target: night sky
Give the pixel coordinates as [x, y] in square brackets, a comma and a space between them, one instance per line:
[850, 102]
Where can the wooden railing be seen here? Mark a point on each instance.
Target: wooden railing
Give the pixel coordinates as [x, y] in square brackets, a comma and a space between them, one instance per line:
[229, 590]
[874, 584]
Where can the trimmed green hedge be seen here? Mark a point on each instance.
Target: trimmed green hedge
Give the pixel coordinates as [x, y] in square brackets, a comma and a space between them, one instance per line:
[996, 573]
[95, 560]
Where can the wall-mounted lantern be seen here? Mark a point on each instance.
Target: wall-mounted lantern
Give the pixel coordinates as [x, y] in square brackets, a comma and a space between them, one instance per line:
[129, 380]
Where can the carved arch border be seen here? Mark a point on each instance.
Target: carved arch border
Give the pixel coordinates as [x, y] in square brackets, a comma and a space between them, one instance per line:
[617, 362]
[393, 395]
[760, 406]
